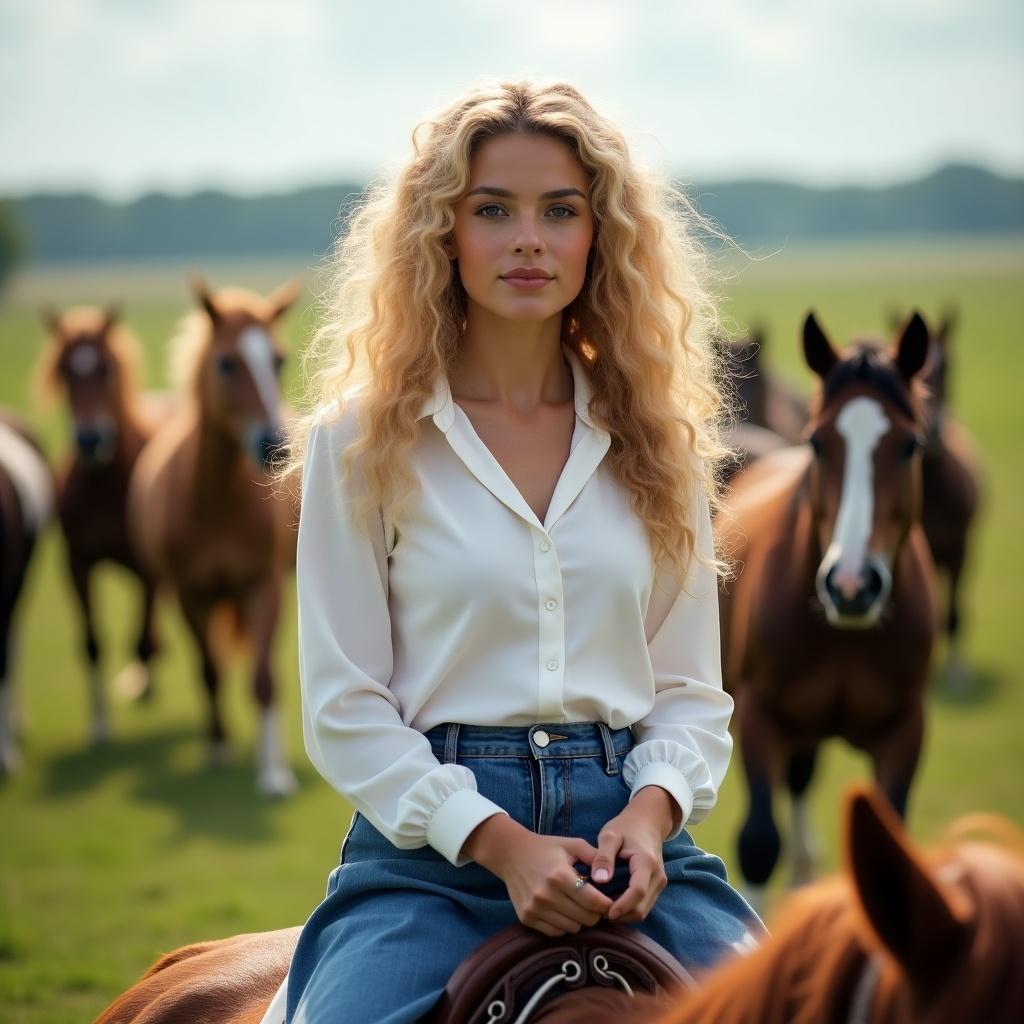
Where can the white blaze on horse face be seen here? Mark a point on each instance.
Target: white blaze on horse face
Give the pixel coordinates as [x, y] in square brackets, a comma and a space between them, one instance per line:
[860, 423]
[83, 360]
[258, 352]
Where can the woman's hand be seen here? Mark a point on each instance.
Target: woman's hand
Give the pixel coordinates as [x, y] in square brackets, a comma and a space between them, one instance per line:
[637, 835]
[540, 877]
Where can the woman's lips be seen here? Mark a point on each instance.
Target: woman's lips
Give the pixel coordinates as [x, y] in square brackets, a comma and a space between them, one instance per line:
[527, 283]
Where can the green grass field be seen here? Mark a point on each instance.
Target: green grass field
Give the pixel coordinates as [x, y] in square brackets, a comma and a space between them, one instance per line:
[111, 857]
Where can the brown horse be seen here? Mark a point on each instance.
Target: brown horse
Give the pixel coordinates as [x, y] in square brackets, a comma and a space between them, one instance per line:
[951, 477]
[26, 504]
[201, 503]
[93, 359]
[900, 937]
[828, 630]
[770, 412]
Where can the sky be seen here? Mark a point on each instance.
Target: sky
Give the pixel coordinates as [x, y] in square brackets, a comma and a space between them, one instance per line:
[121, 97]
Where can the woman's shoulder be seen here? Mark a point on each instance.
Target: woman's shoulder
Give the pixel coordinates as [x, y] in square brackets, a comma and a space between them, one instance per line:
[336, 420]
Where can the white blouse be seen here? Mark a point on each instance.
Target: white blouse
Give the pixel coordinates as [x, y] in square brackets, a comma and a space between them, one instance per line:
[477, 612]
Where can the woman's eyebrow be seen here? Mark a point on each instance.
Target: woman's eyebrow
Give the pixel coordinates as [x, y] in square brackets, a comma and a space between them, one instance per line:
[558, 193]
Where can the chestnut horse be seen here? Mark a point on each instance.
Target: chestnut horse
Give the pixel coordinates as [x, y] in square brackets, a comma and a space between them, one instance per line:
[901, 936]
[828, 630]
[202, 507]
[26, 505]
[93, 359]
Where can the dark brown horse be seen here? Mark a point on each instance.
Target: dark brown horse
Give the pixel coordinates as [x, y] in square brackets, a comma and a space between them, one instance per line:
[951, 477]
[26, 505]
[900, 937]
[93, 360]
[202, 508]
[828, 630]
[770, 412]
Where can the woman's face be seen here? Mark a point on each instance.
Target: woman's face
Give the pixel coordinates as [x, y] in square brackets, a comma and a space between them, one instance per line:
[508, 219]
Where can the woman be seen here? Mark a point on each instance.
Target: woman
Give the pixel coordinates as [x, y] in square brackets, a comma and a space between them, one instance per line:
[508, 617]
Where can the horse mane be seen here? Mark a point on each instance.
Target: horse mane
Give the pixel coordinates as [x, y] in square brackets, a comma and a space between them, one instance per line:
[194, 334]
[121, 342]
[821, 943]
[867, 360]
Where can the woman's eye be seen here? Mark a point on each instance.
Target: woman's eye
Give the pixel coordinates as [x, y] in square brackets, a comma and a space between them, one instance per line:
[494, 206]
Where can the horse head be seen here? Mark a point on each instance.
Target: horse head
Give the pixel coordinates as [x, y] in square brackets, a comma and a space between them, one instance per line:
[236, 366]
[91, 357]
[866, 435]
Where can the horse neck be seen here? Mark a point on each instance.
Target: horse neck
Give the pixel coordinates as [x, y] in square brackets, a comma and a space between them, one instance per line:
[217, 461]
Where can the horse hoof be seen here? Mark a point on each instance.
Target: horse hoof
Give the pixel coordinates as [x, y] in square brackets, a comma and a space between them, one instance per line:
[279, 782]
[134, 683]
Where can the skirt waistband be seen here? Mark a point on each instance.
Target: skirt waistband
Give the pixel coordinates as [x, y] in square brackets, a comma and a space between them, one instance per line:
[450, 740]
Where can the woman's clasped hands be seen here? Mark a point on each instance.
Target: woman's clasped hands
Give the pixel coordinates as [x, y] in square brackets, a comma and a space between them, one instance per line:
[540, 875]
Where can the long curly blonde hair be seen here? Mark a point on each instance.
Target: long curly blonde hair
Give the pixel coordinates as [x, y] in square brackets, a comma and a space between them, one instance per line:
[394, 308]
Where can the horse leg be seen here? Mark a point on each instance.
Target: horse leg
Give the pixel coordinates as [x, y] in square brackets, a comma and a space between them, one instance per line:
[759, 841]
[803, 850]
[81, 571]
[135, 681]
[896, 755]
[260, 613]
[956, 674]
[197, 614]
[10, 757]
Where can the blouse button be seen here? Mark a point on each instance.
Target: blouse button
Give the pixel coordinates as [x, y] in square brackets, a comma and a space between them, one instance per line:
[552, 664]
[551, 604]
[545, 546]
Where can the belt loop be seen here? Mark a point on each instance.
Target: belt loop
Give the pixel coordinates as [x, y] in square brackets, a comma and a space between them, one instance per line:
[611, 763]
[451, 743]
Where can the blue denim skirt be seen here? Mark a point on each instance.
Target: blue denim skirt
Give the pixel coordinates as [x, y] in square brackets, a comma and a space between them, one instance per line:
[396, 923]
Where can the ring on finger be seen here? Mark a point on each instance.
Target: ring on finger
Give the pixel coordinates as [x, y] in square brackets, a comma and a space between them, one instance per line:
[581, 880]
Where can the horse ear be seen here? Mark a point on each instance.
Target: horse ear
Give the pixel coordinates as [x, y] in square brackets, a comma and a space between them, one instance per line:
[202, 294]
[283, 296]
[758, 335]
[923, 927]
[912, 347]
[51, 317]
[111, 315]
[947, 325]
[818, 350]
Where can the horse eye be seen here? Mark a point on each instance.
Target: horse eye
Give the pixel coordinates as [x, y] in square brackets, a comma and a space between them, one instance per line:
[816, 446]
[225, 365]
[278, 362]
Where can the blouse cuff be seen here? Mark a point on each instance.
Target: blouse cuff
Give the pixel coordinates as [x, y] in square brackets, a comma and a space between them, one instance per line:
[661, 773]
[450, 825]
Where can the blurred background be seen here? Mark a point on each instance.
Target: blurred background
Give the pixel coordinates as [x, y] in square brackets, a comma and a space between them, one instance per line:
[868, 159]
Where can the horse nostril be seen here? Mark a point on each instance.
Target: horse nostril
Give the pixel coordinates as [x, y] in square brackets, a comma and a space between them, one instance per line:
[88, 440]
[873, 586]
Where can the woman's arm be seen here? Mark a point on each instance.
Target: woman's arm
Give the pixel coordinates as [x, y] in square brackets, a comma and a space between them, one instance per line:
[351, 720]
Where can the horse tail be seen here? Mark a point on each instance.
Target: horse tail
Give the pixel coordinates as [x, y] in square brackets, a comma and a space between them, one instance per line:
[227, 634]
